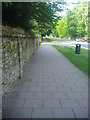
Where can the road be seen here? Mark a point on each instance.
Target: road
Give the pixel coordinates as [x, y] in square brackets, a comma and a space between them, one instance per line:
[84, 45]
[73, 43]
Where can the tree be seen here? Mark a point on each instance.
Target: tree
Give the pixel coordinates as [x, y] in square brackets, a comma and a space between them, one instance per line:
[77, 20]
[62, 28]
[74, 24]
[71, 24]
[31, 16]
[54, 31]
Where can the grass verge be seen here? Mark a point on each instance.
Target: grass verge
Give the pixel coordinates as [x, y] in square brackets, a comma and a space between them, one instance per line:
[79, 60]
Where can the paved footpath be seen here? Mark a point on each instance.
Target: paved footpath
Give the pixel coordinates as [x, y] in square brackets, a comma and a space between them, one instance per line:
[51, 87]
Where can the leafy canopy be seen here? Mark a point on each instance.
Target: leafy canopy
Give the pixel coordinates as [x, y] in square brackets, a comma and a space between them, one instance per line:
[74, 24]
[34, 17]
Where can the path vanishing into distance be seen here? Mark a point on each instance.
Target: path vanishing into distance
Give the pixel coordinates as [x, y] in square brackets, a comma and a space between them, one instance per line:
[51, 87]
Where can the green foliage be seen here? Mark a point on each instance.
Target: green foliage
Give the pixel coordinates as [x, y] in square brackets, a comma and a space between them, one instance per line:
[75, 24]
[7, 4]
[30, 16]
[77, 20]
[54, 31]
[35, 17]
[62, 28]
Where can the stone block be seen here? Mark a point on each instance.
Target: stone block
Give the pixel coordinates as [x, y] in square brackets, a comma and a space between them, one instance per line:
[63, 113]
[51, 104]
[33, 103]
[42, 113]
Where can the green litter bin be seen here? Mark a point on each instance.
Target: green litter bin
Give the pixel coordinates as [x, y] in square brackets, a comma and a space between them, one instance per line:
[77, 51]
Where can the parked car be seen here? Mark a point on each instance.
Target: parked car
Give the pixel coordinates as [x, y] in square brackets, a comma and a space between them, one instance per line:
[81, 40]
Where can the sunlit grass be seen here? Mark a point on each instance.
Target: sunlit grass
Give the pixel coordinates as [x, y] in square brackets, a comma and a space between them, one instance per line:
[79, 60]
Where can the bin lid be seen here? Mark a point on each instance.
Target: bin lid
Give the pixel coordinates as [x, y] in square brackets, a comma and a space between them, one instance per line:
[78, 44]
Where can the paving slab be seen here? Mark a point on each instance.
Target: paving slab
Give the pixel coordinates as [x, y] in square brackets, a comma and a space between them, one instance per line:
[71, 95]
[83, 103]
[33, 103]
[21, 113]
[63, 113]
[58, 95]
[42, 95]
[42, 113]
[81, 113]
[85, 95]
[70, 104]
[51, 104]
[16, 104]
[51, 87]
[26, 95]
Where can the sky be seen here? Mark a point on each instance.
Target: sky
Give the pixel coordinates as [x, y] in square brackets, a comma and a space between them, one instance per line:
[73, 1]
[70, 5]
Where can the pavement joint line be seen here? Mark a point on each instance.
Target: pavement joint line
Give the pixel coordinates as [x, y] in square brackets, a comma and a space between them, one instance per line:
[60, 104]
[42, 103]
[78, 103]
[66, 94]
[73, 112]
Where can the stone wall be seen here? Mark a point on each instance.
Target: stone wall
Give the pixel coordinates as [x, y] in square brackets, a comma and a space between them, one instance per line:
[0, 72]
[17, 48]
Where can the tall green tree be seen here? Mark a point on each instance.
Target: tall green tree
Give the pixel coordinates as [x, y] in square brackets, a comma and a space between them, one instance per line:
[31, 16]
[54, 29]
[74, 24]
[62, 28]
[77, 20]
